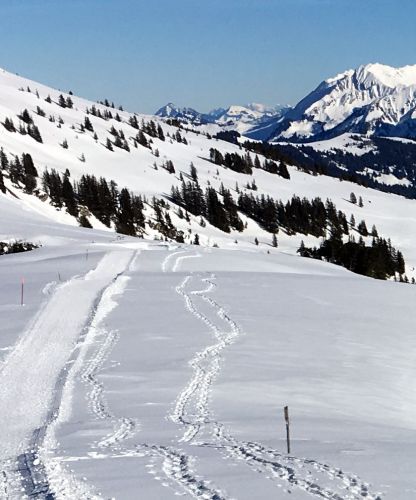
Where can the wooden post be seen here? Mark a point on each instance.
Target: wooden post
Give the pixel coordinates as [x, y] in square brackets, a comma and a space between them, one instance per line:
[286, 412]
[22, 292]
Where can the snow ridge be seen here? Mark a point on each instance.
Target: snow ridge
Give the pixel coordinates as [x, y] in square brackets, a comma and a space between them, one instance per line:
[373, 99]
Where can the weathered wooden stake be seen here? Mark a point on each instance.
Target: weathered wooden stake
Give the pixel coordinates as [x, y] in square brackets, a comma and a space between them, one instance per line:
[22, 292]
[286, 412]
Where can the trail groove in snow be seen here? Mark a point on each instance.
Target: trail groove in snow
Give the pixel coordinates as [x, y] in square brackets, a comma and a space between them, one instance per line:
[33, 375]
[175, 464]
[191, 410]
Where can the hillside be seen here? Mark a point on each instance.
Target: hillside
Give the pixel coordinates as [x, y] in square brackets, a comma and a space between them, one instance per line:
[152, 363]
[149, 156]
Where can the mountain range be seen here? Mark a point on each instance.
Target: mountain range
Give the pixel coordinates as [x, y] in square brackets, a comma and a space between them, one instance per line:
[374, 100]
[244, 119]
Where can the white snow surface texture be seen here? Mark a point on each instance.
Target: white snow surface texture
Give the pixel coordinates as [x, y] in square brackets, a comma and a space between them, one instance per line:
[148, 369]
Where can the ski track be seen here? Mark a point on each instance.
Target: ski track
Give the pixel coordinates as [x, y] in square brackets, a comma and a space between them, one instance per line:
[176, 465]
[35, 463]
[191, 410]
[44, 476]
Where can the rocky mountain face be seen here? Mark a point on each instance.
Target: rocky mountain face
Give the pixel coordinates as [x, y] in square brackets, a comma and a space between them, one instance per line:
[375, 100]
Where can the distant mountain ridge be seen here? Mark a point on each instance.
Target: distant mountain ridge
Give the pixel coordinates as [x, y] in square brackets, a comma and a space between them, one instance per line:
[244, 119]
[374, 99]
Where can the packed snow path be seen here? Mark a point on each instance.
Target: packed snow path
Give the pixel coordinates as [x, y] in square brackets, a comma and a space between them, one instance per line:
[33, 370]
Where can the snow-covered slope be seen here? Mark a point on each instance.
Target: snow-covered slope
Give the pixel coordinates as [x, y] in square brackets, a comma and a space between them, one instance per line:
[374, 99]
[136, 170]
[152, 369]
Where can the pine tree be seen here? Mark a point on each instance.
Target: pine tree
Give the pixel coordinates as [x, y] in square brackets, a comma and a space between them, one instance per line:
[353, 198]
[193, 173]
[25, 117]
[274, 240]
[16, 171]
[360, 202]
[68, 196]
[362, 228]
[2, 186]
[109, 145]
[88, 124]
[4, 162]
[30, 173]
[61, 101]
[125, 216]
[9, 125]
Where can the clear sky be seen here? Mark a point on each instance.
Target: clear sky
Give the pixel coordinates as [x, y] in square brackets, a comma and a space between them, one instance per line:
[200, 53]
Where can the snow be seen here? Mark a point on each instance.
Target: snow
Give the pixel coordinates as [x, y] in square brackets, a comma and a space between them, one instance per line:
[391, 179]
[219, 418]
[344, 142]
[140, 367]
[356, 101]
[389, 76]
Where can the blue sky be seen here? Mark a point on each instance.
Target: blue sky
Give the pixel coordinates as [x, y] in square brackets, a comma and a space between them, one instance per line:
[204, 54]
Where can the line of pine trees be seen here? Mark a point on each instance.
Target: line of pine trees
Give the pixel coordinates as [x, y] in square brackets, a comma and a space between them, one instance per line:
[21, 171]
[26, 126]
[379, 260]
[245, 164]
[16, 247]
[219, 209]
[102, 198]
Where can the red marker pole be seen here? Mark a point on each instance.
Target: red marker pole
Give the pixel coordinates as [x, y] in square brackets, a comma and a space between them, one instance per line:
[22, 292]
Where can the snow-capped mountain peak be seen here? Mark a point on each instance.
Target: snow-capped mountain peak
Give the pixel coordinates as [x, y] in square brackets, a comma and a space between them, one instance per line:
[373, 99]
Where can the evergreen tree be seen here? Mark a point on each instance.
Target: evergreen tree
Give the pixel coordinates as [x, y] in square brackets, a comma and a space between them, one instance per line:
[362, 228]
[25, 117]
[9, 125]
[125, 216]
[30, 173]
[2, 186]
[61, 101]
[68, 196]
[88, 124]
[193, 173]
[16, 171]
